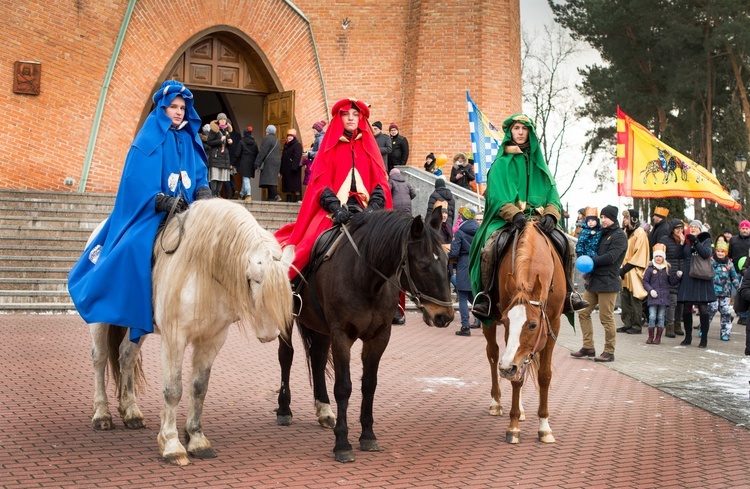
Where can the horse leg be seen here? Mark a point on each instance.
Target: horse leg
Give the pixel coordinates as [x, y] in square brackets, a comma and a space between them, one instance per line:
[319, 348]
[172, 353]
[493, 356]
[102, 419]
[544, 378]
[342, 390]
[513, 433]
[204, 354]
[129, 362]
[372, 352]
[286, 356]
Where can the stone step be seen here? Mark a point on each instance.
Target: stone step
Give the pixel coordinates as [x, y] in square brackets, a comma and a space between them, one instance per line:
[77, 241]
[83, 222]
[34, 272]
[45, 233]
[34, 284]
[34, 296]
[38, 308]
[39, 261]
[95, 213]
[9, 248]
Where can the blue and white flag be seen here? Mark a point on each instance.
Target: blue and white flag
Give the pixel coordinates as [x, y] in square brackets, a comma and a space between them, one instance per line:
[485, 140]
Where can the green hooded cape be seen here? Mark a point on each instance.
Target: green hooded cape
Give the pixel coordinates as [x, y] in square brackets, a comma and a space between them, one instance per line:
[506, 184]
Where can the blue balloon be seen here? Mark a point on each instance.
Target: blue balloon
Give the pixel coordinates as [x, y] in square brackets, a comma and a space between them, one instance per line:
[584, 264]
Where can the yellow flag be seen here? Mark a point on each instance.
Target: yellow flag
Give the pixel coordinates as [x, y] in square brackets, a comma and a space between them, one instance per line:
[648, 168]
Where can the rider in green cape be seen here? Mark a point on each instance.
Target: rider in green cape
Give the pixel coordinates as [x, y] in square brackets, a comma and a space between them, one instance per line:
[519, 186]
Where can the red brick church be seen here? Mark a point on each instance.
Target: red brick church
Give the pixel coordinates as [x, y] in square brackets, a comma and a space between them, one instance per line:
[76, 76]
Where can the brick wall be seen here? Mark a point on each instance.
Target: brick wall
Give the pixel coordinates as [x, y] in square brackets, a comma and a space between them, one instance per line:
[412, 60]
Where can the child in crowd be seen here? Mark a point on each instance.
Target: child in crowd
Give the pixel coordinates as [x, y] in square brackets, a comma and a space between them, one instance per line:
[588, 240]
[656, 281]
[726, 277]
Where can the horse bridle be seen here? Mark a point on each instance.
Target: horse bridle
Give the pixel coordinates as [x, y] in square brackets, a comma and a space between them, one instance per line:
[541, 304]
[414, 294]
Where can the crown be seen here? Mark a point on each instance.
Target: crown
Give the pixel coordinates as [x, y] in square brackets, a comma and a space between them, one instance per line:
[661, 212]
[660, 247]
[592, 211]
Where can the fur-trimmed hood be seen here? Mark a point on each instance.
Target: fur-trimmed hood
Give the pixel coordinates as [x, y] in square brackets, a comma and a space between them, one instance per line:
[215, 126]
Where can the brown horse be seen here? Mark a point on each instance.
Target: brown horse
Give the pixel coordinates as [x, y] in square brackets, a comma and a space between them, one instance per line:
[530, 303]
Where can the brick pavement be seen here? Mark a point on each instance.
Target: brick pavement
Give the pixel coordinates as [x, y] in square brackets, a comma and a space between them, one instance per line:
[431, 418]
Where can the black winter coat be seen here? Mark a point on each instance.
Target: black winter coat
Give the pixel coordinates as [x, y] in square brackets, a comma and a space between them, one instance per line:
[738, 247]
[460, 247]
[467, 171]
[657, 233]
[291, 174]
[695, 290]
[399, 152]
[269, 156]
[605, 277]
[218, 153]
[445, 194]
[246, 154]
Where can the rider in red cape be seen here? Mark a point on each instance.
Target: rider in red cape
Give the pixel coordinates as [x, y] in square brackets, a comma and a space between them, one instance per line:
[347, 176]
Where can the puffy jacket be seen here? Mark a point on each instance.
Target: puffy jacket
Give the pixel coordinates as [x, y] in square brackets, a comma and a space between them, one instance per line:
[605, 277]
[460, 247]
[738, 247]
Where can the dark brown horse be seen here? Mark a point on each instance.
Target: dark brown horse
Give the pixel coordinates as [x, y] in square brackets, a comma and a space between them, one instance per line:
[532, 293]
[354, 295]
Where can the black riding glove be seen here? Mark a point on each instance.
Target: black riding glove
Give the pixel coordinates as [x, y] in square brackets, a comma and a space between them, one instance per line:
[330, 203]
[625, 269]
[548, 223]
[692, 238]
[519, 221]
[377, 199]
[165, 203]
[203, 193]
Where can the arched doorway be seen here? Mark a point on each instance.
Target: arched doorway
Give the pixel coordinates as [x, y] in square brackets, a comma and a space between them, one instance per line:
[226, 74]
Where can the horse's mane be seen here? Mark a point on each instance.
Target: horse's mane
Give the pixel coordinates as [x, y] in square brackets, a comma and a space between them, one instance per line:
[376, 232]
[529, 260]
[221, 244]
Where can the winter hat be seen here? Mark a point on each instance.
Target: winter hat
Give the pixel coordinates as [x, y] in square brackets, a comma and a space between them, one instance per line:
[249, 128]
[393, 126]
[590, 213]
[468, 212]
[745, 224]
[430, 156]
[660, 250]
[722, 245]
[318, 126]
[610, 212]
[271, 129]
[439, 183]
[394, 171]
[677, 224]
[582, 211]
[292, 132]
[696, 222]
[221, 116]
[378, 124]
[661, 212]
[206, 129]
[633, 214]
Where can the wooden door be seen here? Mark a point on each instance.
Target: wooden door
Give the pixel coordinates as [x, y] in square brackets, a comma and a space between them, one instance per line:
[278, 109]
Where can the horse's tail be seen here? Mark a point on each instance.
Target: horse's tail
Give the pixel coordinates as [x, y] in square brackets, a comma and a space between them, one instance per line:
[307, 340]
[115, 336]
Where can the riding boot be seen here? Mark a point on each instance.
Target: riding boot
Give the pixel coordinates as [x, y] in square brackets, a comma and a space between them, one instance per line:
[688, 336]
[650, 339]
[704, 337]
[657, 340]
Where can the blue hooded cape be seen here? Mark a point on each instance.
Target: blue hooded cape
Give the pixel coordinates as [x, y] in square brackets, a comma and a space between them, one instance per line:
[111, 282]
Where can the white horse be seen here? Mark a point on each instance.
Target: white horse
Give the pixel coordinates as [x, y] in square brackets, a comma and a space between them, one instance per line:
[226, 269]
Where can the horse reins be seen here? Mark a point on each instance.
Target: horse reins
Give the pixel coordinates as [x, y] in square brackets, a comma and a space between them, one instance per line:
[414, 294]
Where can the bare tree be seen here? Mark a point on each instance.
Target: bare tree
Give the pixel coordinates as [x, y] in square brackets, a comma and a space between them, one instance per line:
[552, 99]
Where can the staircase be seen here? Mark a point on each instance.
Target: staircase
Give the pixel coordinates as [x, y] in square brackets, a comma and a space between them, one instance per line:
[42, 235]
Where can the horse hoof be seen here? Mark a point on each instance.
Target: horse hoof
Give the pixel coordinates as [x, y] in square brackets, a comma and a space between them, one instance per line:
[134, 423]
[284, 420]
[512, 437]
[204, 453]
[345, 456]
[179, 460]
[369, 446]
[522, 416]
[496, 410]
[546, 437]
[327, 422]
[103, 424]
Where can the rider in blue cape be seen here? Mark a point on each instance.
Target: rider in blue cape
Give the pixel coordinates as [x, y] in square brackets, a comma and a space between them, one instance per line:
[164, 172]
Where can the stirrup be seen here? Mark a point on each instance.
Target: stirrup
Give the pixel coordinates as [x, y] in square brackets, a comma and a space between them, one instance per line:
[296, 304]
[575, 303]
[477, 308]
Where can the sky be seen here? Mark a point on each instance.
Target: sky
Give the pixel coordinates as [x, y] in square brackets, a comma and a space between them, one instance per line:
[535, 14]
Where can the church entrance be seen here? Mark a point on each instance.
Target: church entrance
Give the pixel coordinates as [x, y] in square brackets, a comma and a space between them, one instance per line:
[227, 75]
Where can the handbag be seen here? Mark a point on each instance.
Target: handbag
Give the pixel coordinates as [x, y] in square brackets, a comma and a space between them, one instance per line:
[701, 268]
[263, 163]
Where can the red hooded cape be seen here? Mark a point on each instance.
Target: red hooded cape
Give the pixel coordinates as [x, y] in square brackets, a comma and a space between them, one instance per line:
[333, 169]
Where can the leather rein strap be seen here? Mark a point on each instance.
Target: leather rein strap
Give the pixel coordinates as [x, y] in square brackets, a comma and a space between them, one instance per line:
[414, 294]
